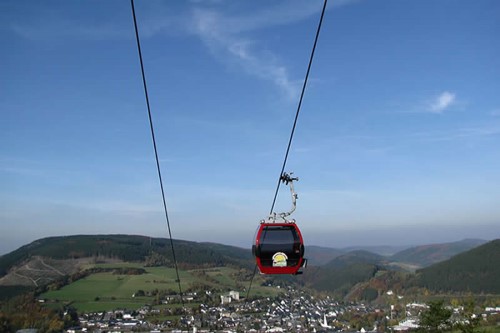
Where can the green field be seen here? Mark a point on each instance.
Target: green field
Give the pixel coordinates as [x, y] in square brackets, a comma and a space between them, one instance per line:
[108, 291]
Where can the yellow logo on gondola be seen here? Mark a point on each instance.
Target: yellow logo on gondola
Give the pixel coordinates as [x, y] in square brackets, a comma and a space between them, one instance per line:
[279, 259]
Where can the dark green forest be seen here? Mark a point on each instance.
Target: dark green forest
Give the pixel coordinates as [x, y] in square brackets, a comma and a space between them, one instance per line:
[473, 271]
[476, 271]
[153, 251]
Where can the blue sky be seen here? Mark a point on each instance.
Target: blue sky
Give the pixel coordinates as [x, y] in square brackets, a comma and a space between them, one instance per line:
[397, 142]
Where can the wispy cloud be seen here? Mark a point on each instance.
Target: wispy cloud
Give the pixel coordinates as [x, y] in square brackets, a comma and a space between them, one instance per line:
[442, 102]
[225, 38]
[227, 31]
[436, 104]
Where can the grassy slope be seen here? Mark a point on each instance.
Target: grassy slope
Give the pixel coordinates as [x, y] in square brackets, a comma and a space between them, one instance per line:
[115, 291]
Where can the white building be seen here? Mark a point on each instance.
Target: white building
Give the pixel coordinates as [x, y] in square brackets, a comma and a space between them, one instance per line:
[232, 296]
[224, 299]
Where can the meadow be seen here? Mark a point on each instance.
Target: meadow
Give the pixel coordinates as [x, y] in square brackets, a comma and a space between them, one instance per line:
[108, 291]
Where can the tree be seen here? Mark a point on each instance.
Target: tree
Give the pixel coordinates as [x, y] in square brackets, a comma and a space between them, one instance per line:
[469, 320]
[70, 317]
[5, 324]
[54, 325]
[436, 318]
[369, 294]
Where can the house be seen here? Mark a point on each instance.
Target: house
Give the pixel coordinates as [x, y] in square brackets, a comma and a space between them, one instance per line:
[225, 299]
[233, 295]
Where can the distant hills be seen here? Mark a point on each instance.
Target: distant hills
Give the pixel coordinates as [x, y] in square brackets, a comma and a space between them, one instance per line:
[365, 275]
[318, 255]
[383, 250]
[402, 256]
[477, 271]
[356, 257]
[343, 272]
[426, 255]
[139, 248]
[360, 272]
[151, 251]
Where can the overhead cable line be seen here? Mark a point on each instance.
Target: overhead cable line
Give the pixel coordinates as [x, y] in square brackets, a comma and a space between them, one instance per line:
[294, 123]
[156, 150]
[298, 106]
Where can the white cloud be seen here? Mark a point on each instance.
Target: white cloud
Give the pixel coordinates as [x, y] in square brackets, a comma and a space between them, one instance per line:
[226, 36]
[225, 41]
[225, 30]
[442, 102]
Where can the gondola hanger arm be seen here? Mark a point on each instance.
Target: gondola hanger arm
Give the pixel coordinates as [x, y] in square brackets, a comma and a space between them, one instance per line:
[286, 179]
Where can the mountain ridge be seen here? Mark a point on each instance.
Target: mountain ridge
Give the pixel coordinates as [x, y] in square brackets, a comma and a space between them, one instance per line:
[134, 248]
[476, 270]
[46, 260]
[416, 256]
[428, 254]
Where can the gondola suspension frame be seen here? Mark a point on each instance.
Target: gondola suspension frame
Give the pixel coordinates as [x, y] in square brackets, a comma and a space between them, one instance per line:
[278, 246]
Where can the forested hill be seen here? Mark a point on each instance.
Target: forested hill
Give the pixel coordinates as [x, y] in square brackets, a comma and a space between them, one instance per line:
[477, 270]
[343, 272]
[426, 255]
[152, 251]
[355, 257]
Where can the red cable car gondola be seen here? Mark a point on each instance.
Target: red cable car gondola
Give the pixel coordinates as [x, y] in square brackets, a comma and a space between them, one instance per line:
[278, 246]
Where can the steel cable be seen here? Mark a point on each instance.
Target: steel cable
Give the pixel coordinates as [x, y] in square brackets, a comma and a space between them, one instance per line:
[156, 150]
[294, 123]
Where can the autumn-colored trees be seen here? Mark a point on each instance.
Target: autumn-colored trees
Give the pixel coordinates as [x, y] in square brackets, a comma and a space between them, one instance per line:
[25, 312]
